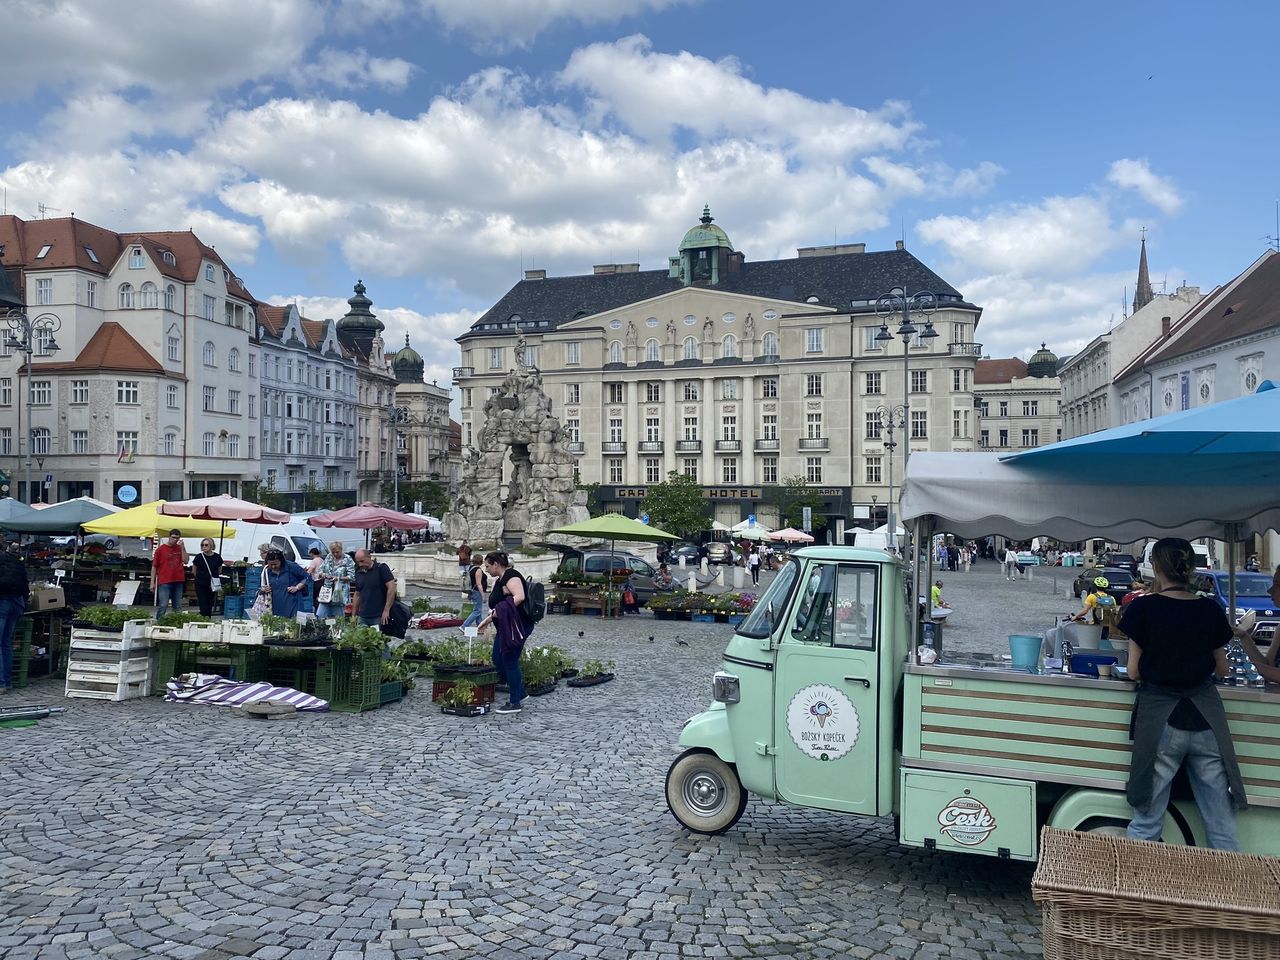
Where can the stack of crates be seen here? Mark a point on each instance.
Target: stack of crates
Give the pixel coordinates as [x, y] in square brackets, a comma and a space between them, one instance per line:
[108, 666]
[22, 651]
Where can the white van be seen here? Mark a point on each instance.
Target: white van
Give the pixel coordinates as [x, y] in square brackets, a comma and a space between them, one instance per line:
[294, 539]
[1203, 559]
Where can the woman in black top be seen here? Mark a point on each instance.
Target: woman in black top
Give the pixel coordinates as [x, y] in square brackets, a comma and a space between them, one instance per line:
[205, 567]
[1177, 644]
[504, 609]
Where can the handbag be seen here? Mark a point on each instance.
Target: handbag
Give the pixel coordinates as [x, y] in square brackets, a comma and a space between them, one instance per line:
[326, 594]
[215, 583]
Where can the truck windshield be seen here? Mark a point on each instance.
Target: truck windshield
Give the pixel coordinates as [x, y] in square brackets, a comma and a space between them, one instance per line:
[758, 624]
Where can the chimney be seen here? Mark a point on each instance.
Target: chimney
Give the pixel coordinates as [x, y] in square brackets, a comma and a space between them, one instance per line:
[1164, 325]
[535, 274]
[601, 269]
[899, 245]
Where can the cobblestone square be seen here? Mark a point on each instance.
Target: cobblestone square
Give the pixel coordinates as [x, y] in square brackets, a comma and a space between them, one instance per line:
[147, 829]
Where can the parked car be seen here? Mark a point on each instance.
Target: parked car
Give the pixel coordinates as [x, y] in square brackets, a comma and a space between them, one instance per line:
[1125, 561]
[598, 563]
[1252, 593]
[720, 552]
[1121, 581]
[110, 541]
[690, 552]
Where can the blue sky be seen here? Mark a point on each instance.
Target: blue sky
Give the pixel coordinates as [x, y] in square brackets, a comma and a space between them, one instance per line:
[434, 147]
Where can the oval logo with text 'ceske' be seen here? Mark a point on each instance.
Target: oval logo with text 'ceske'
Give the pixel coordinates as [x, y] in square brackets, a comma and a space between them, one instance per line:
[967, 821]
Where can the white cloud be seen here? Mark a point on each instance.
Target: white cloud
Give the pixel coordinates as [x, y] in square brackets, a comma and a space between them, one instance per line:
[656, 94]
[1058, 236]
[1137, 175]
[352, 69]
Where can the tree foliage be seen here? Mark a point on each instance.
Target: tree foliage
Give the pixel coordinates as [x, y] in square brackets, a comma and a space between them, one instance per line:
[678, 506]
[791, 497]
[434, 497]
[266, 494]
[316, 497]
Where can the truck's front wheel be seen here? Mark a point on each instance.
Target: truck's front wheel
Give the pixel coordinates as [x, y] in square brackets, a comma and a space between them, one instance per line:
[704, 793]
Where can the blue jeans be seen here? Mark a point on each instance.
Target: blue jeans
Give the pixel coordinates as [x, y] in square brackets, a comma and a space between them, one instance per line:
[331, 610]
[508, 667]
[371, 621]
[166, 594]
[477, 610]
[1198, 749]
[11, 609]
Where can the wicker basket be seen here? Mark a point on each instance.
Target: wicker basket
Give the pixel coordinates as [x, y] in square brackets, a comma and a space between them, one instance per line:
[1109, 898]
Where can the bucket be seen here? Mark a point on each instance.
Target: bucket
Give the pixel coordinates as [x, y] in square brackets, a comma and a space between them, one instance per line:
[1025, 650]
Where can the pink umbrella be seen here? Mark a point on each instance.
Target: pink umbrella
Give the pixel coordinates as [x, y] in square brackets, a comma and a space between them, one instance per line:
[223, 507]
[791, 535]
[366, 516]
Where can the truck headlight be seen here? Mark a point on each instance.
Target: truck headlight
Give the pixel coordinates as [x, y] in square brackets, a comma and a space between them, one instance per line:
[725, 689]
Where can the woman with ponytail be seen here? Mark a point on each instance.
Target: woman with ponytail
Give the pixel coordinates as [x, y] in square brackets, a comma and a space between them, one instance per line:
[1177, 644]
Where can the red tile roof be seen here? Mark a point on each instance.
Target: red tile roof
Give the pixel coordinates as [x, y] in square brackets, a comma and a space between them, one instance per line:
[272, 317]
[314, 332]
[999, 371]
[67, 239]
[110, 348]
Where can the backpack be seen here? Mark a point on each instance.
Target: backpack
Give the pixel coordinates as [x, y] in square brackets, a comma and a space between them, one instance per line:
[534, 606]
[471, 579]
[398, 620]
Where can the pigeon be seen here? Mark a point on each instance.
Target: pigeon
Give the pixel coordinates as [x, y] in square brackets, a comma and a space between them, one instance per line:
[651, 639]
[680, 642]
[579, 633]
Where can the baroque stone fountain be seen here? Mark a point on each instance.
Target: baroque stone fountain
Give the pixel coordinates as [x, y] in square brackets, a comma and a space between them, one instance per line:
[541, 493]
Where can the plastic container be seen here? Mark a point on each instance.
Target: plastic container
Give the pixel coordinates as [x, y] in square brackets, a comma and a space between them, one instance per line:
[1025, 650]
[1087, 663]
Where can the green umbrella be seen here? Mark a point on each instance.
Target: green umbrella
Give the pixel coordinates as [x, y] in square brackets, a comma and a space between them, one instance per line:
[60, 518]
[614, 527]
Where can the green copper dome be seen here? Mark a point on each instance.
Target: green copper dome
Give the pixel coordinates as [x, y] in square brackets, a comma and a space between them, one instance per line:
[408, 364]
[705, 234]
[1042, 363]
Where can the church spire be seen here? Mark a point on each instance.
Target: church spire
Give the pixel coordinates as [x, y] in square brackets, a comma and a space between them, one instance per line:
[1142, 293]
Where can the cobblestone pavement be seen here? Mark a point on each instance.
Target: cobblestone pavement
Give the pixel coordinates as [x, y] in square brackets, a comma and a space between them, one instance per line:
[147, 829]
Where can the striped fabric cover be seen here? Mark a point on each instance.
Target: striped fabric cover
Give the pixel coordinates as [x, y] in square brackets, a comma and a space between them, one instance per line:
[219, 691]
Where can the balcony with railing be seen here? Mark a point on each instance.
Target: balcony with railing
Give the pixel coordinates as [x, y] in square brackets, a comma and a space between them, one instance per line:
[964, 349]
[461, 373]
[688, 446]
[650, 446]
[728, 446]
[815, 443]
[765, 446]
[613, 446]
[577, 447]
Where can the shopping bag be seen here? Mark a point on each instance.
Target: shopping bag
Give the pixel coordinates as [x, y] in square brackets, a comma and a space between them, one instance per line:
[326, 594]
[261, 607]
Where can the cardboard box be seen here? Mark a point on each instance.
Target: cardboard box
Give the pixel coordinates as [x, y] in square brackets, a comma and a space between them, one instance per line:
[46, 598]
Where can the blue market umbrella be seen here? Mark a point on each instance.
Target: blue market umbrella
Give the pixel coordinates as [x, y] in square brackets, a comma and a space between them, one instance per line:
[1232, 443]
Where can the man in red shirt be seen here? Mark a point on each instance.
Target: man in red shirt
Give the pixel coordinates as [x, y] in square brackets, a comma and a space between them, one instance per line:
[169, 573]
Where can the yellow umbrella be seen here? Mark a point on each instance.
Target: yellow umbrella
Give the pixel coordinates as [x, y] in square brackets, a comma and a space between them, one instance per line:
[145, 521]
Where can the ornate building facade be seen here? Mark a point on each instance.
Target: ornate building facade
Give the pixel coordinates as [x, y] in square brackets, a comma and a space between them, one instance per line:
[360, 333]
[422, 431]
[1018, 403]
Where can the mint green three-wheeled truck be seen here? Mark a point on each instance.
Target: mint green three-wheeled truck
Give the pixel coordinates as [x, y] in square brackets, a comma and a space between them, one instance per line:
[822, 702]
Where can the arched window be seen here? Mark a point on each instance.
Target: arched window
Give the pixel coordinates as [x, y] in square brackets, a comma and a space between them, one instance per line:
[233, 360]
[209, 441]
[125, 300]
[170, 296]
[729, 346]
[690, 348]
[769, 347]
[652, 352]
[615, 351]
[210, 354]
[150, 295]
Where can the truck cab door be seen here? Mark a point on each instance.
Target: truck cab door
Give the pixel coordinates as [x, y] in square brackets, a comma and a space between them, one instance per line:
[827, 689]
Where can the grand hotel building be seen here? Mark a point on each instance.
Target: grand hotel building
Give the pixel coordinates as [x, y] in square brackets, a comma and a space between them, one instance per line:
[739, 373]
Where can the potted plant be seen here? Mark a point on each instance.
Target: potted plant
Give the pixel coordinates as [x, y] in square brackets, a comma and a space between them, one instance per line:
[278, 628]
[458, 700]
[540, 670]
[593, 672]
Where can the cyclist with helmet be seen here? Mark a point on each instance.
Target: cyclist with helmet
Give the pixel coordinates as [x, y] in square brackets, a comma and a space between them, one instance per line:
[1094, 600]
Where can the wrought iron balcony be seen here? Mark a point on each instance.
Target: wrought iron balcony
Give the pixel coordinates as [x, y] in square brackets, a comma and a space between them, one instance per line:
[766, 445]
[650, 446]
[613, 446]
[728, 446]
[964, 349]
[688, 446]
[815, 443]
[577, 446]
[461, 373]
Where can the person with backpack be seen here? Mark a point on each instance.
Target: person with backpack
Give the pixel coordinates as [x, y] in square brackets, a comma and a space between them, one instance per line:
[477, 584]
[373, 591]
[506, 611]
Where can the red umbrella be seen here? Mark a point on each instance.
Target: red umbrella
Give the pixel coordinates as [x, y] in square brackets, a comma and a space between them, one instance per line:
[223, 507]
[791, 535]
[366, 516]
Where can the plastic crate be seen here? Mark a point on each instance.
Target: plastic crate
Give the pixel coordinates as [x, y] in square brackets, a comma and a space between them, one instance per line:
[137, 629]
[243, 632]
[103, 679]
[156, 634]
[485, 692]
[176, 657]
[390, 692]
[351, 682]
[21, 654]
[302, 678]
[202, 632]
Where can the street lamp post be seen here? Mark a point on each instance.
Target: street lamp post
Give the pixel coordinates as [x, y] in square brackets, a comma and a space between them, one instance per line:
[890, 417]
[894, 302]
[399, 415]
[27, 335]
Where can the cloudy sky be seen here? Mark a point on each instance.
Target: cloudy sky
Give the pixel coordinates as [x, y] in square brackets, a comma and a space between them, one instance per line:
[435, 148]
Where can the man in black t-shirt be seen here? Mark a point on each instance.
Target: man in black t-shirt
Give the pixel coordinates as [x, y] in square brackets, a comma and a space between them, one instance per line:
[373, 590]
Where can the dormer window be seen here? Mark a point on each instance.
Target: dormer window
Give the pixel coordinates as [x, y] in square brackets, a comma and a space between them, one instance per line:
[208, 272]
[88, 251]
[170, 259]
[136, 260]
[44, 251]
[813, 300]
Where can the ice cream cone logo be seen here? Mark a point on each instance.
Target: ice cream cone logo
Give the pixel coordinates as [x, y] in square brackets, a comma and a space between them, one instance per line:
[821, 712]
[822, 721]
